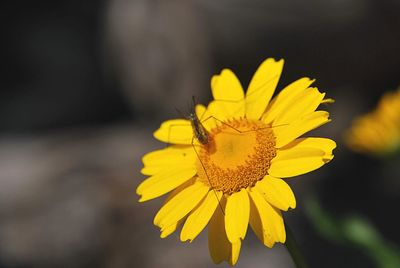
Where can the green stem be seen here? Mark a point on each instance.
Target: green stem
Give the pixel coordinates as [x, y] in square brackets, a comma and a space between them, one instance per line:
[294, 249]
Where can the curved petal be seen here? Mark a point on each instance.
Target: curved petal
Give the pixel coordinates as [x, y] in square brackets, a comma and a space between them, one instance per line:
[172, 156]
[164, 181]
[237, 214]
[167, 230]
[324, 144]
[150, 171]
[265, 220]
[277, 192]
[262, 87]
[181, 204]
[286, 134]
[226, 86]
[220, 247]
[228, 95]
[200, 216]
[285, 97]
[170, 229]
[301, 156]
[234, 253]
[209, 115]
[176, 131]
[200, 111]
[305, 103]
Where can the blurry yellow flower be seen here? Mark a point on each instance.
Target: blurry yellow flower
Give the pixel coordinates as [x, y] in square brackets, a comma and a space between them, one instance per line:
[377, 132]
[235, 177]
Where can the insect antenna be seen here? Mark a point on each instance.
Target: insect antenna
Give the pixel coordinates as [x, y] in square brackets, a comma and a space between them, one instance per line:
[180, 113]
[194, 101]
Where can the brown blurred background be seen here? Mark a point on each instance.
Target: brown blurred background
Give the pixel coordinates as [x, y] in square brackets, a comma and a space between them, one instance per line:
[85, 83]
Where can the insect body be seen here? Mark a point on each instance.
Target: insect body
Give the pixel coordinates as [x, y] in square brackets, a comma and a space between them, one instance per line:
[199, 130]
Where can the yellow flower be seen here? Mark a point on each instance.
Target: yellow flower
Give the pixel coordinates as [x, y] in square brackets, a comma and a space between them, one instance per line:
[234, 176]
[377, 132]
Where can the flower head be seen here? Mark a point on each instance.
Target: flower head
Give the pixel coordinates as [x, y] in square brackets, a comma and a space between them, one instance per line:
[230, 174]
[377, 132]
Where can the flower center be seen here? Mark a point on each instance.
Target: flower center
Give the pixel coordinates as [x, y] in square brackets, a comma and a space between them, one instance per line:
[238, 155]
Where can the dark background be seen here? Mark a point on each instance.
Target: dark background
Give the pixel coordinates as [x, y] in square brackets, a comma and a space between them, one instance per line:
[85, 83]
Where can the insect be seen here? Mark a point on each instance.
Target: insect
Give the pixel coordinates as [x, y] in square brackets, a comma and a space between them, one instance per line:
[200, 132]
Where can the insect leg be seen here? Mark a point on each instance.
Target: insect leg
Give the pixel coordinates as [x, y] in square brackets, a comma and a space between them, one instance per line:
[174, 139]
[242, 131]
[205, 171]
[222, 122]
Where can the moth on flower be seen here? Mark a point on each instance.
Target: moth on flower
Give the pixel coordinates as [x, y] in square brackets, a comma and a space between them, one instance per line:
[253, 144]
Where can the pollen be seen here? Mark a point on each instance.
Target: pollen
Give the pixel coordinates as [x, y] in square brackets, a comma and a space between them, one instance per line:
[238, 154]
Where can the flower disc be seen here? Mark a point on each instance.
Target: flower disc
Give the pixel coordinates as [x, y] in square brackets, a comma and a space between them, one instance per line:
[239, 155]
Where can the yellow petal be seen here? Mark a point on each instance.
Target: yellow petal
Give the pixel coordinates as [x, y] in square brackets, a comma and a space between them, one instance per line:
[305, 103]
[200, 216]
[177, 155]
[150, 171]
[218, 243]
[170, 229]
[228, 95]
[237, 214]
[235, 251]
[200, 111]
[176, 131]
[262, 87]
[285, 98]
[181, 204]
[265, 220]
[220, 247]
[277, 192]
[286, 134]
[226, 87]
[164, 181]
[328, 101]
[301, 156]
[167, 230]
[324, 144]
[209, 115]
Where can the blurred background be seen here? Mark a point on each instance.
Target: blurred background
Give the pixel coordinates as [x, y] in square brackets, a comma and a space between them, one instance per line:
[85, 83]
